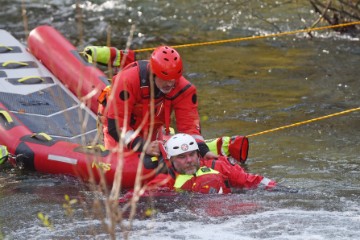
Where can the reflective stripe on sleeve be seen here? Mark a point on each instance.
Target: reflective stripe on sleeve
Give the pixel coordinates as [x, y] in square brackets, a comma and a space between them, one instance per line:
[225, 146]
[117, 59]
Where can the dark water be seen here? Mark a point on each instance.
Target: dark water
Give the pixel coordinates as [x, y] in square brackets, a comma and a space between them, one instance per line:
[244, 87]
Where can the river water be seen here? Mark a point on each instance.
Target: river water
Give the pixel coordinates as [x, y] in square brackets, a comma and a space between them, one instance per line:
[244, 87]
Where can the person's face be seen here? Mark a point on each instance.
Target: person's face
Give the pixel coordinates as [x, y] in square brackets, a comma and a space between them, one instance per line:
[186, 163]
[164, 86]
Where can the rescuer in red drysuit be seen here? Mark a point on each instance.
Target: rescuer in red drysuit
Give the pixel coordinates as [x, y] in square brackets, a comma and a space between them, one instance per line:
[235, 147]
[129, 102]
[116, 59]
[188, 171]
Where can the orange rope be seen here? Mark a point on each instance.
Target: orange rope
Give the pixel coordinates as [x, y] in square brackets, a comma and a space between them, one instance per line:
[305, 122]
[256, 37]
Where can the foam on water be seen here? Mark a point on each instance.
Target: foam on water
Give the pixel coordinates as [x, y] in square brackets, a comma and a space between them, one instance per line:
[263, 219]
[277, 224]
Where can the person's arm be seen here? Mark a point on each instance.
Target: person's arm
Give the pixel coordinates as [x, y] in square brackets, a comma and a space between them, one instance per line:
[204, 150]
[239, 178]
[120, 104]
[105, 55]
[236, 147]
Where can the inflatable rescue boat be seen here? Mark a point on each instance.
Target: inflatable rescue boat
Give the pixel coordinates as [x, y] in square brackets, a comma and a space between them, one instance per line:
[43, 118]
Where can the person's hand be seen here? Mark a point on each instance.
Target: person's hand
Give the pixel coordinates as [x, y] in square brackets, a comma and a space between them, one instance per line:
[273, 186]
[269, 184]
[153, 148]
[210, 155]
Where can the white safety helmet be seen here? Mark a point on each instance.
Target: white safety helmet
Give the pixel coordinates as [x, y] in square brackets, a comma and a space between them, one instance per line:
[180, 143]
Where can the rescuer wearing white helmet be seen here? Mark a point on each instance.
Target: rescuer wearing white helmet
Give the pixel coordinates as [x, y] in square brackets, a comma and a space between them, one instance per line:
[188, 171]
[183, 152]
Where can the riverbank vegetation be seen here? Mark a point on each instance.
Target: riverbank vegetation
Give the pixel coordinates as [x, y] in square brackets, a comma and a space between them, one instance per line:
[337, 12]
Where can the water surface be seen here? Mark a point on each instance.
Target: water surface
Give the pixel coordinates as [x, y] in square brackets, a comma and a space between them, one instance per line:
[244, 87]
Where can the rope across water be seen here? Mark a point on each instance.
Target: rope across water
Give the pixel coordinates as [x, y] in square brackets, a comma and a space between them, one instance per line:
[257, 37]
[270, 36]
[304, 122]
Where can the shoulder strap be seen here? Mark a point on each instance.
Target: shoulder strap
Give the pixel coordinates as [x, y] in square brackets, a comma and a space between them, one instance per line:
[144, 90]
[186, 87]
[144, 78]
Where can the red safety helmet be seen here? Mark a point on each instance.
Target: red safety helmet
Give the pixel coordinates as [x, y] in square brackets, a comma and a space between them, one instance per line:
[166, 63]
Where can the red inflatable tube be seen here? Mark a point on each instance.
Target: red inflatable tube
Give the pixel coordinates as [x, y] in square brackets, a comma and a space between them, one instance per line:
[83, 79]
[11, 129]
[61, 157]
